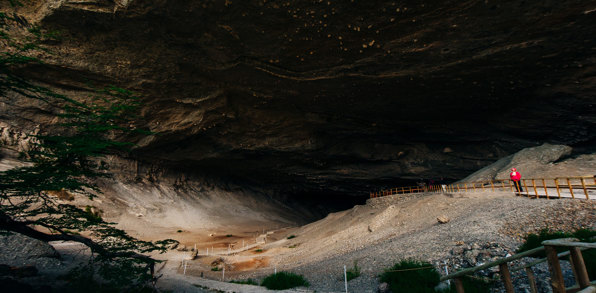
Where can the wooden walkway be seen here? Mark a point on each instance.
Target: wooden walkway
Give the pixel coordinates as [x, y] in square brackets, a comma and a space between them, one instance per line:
[562, 187]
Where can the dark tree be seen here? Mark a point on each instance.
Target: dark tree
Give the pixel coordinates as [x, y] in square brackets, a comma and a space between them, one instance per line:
[67, 159]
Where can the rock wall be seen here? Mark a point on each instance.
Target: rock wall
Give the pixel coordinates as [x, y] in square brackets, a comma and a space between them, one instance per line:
[323, 99]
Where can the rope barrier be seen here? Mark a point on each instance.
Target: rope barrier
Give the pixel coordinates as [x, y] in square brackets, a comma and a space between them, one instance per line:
[410, 269]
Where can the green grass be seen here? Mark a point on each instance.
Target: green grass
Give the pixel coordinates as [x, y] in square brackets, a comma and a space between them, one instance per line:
[353, 273]
[215, 269]
[284, 280]
[584, 235]
[258, 250]
[411, 276]
[229, 235]
[245, 282]
[291, 236]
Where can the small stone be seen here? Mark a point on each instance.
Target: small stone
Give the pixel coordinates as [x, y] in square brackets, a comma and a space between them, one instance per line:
[443, 219]
[383, 288]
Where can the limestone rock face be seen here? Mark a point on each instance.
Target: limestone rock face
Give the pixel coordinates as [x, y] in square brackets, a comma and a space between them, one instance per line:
[328, 97]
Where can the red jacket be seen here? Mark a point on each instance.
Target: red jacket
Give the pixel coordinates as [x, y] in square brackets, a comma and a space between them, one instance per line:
[515, 176]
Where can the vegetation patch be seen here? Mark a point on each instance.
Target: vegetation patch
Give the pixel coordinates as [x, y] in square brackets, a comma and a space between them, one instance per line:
[284, 280]
[411, 276]
[353, 272]
[258, 250]
[291, 236]
[229, 235]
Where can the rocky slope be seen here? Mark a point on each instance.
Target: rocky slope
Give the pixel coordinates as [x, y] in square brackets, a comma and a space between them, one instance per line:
[313, 98]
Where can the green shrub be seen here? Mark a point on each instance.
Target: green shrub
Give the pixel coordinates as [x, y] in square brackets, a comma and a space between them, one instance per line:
[584, 235]
[215, 269]
[291, 236]
[411, 276]
[245, 282]
[229, 235]
[353, 272]
[535, 240]
[284, 280]
[258, 250]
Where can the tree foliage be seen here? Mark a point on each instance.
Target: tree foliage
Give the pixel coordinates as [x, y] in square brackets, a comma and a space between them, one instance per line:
[67, 158]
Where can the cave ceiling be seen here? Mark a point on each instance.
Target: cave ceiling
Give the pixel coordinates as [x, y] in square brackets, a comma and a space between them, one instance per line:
[334, 96]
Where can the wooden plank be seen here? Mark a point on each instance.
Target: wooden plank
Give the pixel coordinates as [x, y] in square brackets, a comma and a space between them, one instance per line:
[566, 243]
[506, 277]
[585, 190]
[570, 188]
[545, 190]
[580, 267]
[557, 281]
[531, 280]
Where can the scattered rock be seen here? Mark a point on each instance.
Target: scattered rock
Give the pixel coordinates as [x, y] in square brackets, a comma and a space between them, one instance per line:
[384, 288]
[443, 219]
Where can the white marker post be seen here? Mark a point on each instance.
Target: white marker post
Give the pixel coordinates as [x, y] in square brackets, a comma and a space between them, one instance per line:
[346, 278]
[275, 270]
[195, 247]
[223, 274]
[185, 263]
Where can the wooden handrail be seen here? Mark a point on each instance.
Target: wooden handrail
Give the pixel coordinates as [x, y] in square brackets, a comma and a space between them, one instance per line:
[469, 186]
[493, 263]
[557, 281]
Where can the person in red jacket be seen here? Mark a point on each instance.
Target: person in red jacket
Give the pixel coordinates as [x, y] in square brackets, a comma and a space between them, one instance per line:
[516, 177]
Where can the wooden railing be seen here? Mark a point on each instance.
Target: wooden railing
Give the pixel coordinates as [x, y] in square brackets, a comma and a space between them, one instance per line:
[559, 187]
[549, 246]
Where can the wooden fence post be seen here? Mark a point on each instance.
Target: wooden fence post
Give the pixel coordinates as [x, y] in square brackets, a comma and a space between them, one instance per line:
[580, 267]
[474, 186]
[526, 187]
[570, 188]
[506, 277]
[535, 190]
[557, 185]
[585, 190]
[545, 190]
[511, 185]
[503, 184]
[531, 280]
[492, 185]
[459, 286]
[557, 281]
